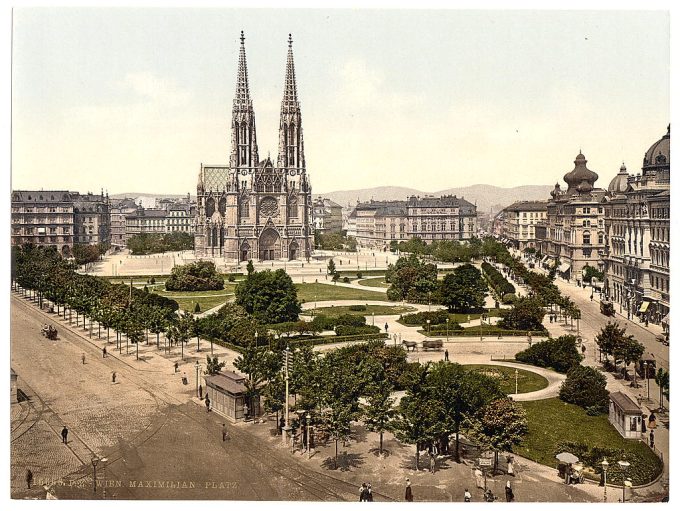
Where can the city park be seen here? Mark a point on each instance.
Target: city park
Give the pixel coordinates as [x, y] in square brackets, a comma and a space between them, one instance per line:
[339, 349]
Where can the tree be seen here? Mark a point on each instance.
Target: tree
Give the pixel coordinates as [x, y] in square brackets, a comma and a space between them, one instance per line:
[526, 314]
[586, 387]
[250, 267]
[378, 412]
[213, 366]
[561, 354]
[463, 290]
[270, 296]
[330, 269]
[198, 276]
[662, 379]
[630, 351]
[609, 338]
[499, 425]
[259, 365]
[411, 278]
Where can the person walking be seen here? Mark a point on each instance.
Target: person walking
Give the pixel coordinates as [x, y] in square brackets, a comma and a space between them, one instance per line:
[363, 492]
[29, 478]
[651, 439]
[200, 392]
[509, 495]
[651, 423]
[113, 377]
[386, 325]
[176, 366]
[207, 404]
[467, 496]
[64, 435]
[511, 466]
[369, 493]
[104, 352]
[409, 493]
[82, 357]
[224, 432]
[446, 355]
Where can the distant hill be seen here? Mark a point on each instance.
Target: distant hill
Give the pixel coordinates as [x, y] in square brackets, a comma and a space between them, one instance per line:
[487, 197]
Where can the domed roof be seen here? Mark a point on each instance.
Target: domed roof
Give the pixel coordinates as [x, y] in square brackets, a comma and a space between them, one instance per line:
[620, 182]
[659, 154]
[581, 175]
[556, 191]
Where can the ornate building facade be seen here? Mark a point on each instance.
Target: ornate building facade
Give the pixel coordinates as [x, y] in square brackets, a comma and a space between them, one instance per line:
[637, 222]
[251, 208]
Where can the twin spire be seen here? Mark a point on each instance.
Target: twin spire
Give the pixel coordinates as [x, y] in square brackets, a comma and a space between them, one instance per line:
[291, 152]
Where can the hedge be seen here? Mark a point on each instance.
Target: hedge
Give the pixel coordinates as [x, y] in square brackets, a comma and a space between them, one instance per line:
[487, 330]
[420, 318]
[497, 281]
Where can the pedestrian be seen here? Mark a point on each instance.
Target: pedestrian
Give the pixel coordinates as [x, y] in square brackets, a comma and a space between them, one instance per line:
[409, 493]
[200, 392]
[551, 318]
[369, 493]
[446, 355]
[362, 492]
[651, 438]
[64, 435]
[386, 325]
[176, 366]
[479, 478]
[185, 381]
[467, 497]
[583, 349]
[509, 495]
[113, 377]
[29, 478]
[224, 432]
[82, 357]
[511, 466]
[651, 423]
[207, 404]
[433, 461]
[104, 352]
[245, 412]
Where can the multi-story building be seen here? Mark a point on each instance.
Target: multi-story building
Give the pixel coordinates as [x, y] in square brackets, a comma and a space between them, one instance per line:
[60, 218]
[637, 225]
[146, 221]
[519, 222]
[441, 218]
[574, 223]
[120, 209]
[327, 215]
[180, 218]
[380, 222]
[251, 208]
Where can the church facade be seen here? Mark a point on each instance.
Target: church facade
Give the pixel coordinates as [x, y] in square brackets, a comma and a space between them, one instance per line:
[252, 208]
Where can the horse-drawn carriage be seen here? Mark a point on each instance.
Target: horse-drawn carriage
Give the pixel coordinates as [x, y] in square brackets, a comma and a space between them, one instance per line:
[410, 345]
[433, 344]
[49, 331]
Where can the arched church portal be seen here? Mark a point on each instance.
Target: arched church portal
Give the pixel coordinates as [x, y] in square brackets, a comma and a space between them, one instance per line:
[270, 245]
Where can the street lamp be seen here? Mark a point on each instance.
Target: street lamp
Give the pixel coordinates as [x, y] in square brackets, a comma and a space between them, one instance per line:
[605, 466]
[309, 420]
[198, 366]
[394, 337]
[373, 318]
[104, 460]
[624, 466]
[428, 327]
[447, 329]
[644, 364]
[516, 382]
[95, 460]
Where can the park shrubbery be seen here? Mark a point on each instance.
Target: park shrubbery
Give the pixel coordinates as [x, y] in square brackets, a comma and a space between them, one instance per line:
[497, 281]
[560, 354]
[356, 330]
[420, 318]
[269, 296]
[323, 322]
[587, 388]
[149, 243]
[357, 308]
[198, 276]
[526, 314]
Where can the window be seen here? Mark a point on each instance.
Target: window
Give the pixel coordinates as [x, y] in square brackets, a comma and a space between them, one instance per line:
[586, 238]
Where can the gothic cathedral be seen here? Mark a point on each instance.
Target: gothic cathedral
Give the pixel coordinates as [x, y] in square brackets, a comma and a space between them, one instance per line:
[253, 209]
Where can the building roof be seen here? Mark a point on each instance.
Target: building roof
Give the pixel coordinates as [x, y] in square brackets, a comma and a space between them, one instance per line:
[437, 202]
[626, 404]
[659, 154]
[528, 206]
[149, 213]
[43, 196]
[328, 203]
[581, 179]
[228, 381]
[619, 184]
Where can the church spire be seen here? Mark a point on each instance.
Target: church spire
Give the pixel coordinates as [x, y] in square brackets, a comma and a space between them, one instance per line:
[243, 135]
[291, 144]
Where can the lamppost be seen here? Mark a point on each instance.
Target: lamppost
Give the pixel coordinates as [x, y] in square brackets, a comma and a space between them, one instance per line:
[428, 327]
[95, 460]
[256, 339]
[198, 366]
[516, 382]
[624, 466]
[373, 318]
[314, 305]
[644, 364]
[481, 326]
[309, 421]
[447, 329]
[605, 466]
[394, 337]
[104, 460]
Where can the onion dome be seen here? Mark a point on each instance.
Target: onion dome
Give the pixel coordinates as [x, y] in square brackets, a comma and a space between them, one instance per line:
[556, 192]
[581, 175]
[658, 156]
[619, 184]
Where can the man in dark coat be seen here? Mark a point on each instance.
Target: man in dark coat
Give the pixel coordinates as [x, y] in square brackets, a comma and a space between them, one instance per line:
[64, 435]
[409, 493]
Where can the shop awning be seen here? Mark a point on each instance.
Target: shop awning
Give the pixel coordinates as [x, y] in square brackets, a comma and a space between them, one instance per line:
[564, 267]
[643, 307]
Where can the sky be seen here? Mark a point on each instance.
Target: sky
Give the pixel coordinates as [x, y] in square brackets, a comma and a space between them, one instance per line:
[134, 100]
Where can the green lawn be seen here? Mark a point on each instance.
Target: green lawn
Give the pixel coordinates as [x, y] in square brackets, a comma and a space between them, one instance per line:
[552, 421]
[370, 309]
[323, 292]
[374, 282]
[189, 303]
[527, 381]
[228, 288]
[463, 318]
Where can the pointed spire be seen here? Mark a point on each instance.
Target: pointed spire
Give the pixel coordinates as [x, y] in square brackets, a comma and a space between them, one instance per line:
[291, 142]
[290, 99]
[242, 98]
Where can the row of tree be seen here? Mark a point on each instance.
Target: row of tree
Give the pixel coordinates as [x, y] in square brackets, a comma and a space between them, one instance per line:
[152, 243]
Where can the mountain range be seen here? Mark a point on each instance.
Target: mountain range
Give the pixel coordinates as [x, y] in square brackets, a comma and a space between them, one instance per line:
[488, 198]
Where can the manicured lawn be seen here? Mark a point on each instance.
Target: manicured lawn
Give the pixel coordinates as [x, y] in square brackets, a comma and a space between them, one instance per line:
[323, 292]
[189, 303]
[228, 288]
[552, 421]
[463, 318]
[370, 309]
[527, 381]
[375, 282]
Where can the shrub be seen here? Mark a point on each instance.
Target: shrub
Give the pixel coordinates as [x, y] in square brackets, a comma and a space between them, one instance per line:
[197, 308]
[345, 280]
[152, 280]
[359, 275]
[561, 354]
[198, 276]
[231, 278]
[586, 387]
[356, 330]
[497, 281]
[526, 314]
[420, 318]
[357, 308]
[509, 298]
